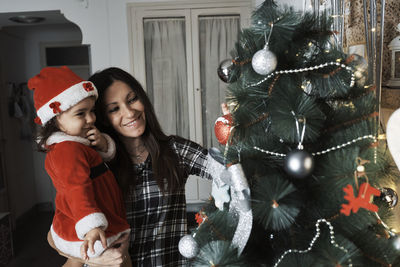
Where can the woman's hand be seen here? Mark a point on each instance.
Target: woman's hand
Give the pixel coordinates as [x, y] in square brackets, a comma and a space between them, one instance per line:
[224, 108]
[114, 256]
[90, 238]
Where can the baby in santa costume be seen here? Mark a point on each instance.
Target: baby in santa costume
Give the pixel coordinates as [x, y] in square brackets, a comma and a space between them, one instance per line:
[89, 214]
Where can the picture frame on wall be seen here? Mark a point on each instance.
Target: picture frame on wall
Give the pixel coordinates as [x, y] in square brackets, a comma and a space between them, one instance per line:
[359, 49]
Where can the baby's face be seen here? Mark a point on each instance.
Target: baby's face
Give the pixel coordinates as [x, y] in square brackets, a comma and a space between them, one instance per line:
[79, 119]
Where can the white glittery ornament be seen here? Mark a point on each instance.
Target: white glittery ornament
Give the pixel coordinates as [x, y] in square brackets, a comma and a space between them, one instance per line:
[188, 247]
[264, 61]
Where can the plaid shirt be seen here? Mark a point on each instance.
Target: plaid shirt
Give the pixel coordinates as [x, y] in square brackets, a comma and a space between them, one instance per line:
[159, 221]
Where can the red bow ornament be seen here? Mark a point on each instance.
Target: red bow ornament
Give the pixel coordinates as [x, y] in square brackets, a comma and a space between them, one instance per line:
[37, 120]
[55, 106]
[88, 87]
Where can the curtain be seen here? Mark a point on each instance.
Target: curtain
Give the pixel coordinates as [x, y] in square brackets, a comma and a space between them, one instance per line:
[218, 35]
[166, 72]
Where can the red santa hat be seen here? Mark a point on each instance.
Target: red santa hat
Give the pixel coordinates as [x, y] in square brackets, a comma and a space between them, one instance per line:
[56, 90]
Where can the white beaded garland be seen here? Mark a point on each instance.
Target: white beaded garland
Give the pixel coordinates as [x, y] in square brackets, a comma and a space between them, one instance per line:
[317, 234]
[352, 79]
[324, 151]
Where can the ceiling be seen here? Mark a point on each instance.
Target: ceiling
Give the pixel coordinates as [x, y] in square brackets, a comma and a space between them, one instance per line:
[51, 17]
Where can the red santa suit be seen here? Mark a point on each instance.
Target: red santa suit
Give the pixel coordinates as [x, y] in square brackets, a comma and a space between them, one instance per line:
[87, 196]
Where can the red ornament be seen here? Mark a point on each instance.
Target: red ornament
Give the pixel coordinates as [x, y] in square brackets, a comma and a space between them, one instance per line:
[222, 128]
[200, 217]
[361, 201]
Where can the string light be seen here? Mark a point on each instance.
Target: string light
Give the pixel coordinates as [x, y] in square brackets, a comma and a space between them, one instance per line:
[324, 151]
[305, 70]
[317, 234]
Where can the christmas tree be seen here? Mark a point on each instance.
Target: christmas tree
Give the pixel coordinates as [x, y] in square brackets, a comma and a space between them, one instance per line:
[308, 182]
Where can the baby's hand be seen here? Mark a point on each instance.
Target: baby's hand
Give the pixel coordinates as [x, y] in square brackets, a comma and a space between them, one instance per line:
[90, 238]
[97, 139]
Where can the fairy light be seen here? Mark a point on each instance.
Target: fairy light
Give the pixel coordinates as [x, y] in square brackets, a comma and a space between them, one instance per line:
[317, 234]
[324, 151]
[337, 63]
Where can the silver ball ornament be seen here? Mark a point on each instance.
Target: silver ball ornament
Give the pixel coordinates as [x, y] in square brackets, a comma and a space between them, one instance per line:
[264, 61]
[224, 71]
[299, 164]
[395, 241]
[389, 196]
[188, 247]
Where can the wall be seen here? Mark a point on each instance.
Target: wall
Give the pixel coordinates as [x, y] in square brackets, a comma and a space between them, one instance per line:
[18, 154]
[104, 26]
[93, 21]
[27, 180]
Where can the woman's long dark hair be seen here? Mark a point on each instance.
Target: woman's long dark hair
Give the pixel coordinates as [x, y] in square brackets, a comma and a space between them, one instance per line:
[164, 160]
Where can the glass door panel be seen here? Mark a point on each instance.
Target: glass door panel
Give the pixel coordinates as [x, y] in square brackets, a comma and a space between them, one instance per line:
[217, 37]
[166, 72]
[176, 53]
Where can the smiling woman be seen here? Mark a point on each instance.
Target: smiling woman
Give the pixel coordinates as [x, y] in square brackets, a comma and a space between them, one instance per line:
[151, 168]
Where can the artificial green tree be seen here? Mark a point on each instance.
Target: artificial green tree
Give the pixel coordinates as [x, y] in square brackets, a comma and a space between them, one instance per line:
[309, 105]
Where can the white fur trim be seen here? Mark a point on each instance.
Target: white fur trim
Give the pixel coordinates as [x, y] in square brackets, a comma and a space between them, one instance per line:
[111, 150]
[59, 137]
[89, 222]
[223, 120]
[67, 98]
[393, 136]
[73, 248]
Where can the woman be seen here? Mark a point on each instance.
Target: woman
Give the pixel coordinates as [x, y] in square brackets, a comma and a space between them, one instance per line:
[151, 168]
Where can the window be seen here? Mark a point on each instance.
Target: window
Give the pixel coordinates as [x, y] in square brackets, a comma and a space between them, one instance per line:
[176, 50]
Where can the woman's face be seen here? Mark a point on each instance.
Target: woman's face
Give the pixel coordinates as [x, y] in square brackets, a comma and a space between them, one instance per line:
[124, 110]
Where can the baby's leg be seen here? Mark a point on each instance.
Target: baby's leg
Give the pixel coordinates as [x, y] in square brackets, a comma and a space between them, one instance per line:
[72, 263]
